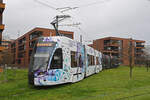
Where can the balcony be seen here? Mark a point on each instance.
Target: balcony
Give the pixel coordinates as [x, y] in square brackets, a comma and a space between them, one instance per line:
[140, 46]
[2, 48]
[2, 5]
[22, 41]
[22, 48]
[112, 44]
[110, 51]
[2, 27]
[13, 45]
[139, 52]
[35, 34]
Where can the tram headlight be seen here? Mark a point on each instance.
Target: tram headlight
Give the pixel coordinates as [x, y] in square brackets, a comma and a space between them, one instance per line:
[41, 73]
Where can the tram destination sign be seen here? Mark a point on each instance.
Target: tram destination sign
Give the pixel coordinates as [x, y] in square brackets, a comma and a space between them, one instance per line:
[44, 44]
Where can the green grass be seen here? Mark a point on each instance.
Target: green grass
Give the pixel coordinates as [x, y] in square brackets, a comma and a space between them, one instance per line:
[112, 84]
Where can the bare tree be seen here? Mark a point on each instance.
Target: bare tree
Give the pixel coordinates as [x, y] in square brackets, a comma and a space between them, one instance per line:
[147, 57]
[6, 58]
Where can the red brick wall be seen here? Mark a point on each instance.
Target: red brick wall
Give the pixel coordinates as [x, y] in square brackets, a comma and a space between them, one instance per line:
[99, 45]
[25, 59]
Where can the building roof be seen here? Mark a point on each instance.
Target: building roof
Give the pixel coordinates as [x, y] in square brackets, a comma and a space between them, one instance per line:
[40, 29]
[118, 38]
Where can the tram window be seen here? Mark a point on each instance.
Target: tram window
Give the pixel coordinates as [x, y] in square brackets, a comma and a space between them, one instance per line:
[57, 60]
[91, 60]
[88, 58]
[80, 61]
[97, 62]
[73, 59]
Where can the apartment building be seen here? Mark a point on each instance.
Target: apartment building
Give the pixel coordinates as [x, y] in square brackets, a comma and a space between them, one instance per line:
[5, 44]
[120, 47]
[2, 7]
[22, 47]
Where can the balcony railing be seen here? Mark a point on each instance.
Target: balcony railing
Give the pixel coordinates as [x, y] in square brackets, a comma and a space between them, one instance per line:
[111, 44]
[139, 52]
[139, 45]
[2, 27]
[2, 5]
[115, 51]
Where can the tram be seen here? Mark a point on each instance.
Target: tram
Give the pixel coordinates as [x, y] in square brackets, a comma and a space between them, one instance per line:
[109, 62]
[58, 60]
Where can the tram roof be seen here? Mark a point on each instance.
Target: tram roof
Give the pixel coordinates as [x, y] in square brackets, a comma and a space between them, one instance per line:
[63, 38]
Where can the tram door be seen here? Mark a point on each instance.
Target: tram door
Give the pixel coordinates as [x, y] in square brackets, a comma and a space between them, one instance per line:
[78, 62]
[98, 63]
[81, 61]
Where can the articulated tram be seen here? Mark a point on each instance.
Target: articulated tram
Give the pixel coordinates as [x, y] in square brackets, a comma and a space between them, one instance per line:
[58, 60]
[109, 62]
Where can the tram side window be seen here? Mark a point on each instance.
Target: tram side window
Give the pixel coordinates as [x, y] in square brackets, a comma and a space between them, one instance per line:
[80, 61]
[91, 61]
[97, 62]
[73, 59]
[57, 60]
[88, 57]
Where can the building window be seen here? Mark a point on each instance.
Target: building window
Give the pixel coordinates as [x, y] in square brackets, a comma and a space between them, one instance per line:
[13, 45]
[22, 47]
[21, 55]
[19, 61]
[35, 34]
[30, 52]
[21, 41]
[31, 44]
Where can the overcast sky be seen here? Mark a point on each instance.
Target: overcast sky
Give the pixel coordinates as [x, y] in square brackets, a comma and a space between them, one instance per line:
[98, 18]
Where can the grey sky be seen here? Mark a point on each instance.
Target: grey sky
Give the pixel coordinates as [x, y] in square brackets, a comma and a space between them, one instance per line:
[120, 18]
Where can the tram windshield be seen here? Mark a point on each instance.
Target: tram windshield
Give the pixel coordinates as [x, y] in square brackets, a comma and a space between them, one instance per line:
[42, 54]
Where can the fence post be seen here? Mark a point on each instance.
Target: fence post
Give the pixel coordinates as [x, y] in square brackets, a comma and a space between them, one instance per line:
[1, 71]
[5, 72]
[130, 57]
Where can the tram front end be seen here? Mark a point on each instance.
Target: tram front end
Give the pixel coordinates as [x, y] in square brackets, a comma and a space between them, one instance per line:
[45, 63]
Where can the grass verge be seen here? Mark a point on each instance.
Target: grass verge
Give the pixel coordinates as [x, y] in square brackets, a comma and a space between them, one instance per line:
[112, 84]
